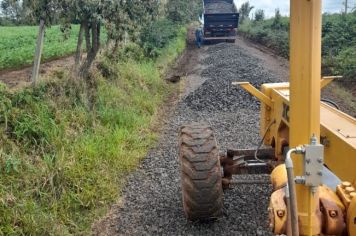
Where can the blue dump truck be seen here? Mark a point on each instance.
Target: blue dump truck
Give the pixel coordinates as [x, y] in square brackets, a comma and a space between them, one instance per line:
[220, 22]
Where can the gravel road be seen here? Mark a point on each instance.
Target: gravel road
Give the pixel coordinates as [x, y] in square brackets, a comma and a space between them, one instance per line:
[151, 201]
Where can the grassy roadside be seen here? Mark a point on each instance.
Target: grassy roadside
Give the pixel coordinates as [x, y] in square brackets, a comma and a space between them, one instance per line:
[61, 164]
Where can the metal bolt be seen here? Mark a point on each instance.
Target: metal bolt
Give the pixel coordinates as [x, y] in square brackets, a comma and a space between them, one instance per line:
[280, 213]
[308, 160]
[320, 173]
[320, 160]
[299, 180]
[314, 190]
[307, 173]
[332, 213]
[313, 140]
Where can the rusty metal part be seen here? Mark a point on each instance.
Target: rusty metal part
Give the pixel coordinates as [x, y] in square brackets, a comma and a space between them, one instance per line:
[327, 193]
[278, 212]
[237, 162]
[248, 154]
[331, 214]
[332, 211]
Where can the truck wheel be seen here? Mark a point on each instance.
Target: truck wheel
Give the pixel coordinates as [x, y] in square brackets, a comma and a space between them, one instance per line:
[200, 173]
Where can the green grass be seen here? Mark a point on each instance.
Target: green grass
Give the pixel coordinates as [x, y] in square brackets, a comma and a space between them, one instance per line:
[17, 44]
[62, 165]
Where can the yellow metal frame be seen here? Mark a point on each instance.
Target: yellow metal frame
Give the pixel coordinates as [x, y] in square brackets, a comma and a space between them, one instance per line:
[299, 115]
[337, 129]
[261, 96]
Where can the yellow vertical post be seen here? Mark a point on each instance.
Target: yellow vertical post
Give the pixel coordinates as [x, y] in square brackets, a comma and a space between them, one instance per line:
[305, 64]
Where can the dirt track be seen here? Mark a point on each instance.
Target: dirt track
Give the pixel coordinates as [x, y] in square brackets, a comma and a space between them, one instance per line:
[19, 78]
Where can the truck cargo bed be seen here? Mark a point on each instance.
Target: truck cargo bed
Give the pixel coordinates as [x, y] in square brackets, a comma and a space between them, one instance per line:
[220, 20]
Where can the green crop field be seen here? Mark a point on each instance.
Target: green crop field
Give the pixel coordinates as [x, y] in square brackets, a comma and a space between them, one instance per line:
[17, 44]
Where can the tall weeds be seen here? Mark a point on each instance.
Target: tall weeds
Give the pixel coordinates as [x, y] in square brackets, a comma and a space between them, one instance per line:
[61, 164]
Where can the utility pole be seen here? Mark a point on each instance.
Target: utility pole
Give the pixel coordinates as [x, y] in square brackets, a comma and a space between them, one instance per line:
[346, 6]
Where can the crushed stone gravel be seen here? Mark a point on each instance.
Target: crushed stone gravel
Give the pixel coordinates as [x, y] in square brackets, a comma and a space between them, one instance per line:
[219, 7]
[151, 201]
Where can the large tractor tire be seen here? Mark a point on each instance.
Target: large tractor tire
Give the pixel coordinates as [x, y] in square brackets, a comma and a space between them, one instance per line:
[202, 191]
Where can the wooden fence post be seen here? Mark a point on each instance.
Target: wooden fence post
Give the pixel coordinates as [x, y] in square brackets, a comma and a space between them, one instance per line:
[38, 53]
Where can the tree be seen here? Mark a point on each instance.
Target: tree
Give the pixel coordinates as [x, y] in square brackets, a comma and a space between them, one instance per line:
[277, 21]
[183, 11]
[119, 17]
[12, 10]
[128, 18]
[245, 11]
[89, 14]
[259, 15]
[47, 10]
[346, 6]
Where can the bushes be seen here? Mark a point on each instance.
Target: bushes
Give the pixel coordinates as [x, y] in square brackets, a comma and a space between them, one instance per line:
[157, 35]
[163, 30]
[339, 44]
[131, 51]
[338, 40]
[271, 33]
[184, 11]
[346, 63]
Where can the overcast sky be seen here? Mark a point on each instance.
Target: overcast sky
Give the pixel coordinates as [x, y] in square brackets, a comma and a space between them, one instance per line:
[269, 6]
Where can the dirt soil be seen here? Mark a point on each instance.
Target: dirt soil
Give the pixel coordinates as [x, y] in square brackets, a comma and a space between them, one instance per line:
[16, 79]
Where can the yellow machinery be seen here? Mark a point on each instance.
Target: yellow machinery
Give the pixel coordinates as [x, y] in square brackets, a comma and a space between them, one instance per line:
[321, 140]
[312, 154]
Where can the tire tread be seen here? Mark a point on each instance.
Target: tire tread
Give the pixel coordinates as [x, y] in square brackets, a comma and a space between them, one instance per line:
[200, 172]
